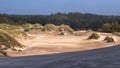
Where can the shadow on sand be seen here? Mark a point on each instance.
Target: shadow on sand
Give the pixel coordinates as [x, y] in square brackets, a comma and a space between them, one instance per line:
[98, 58]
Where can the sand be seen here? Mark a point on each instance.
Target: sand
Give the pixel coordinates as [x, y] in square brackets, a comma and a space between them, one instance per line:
[97, 58]
[47, 43]
[72, 51]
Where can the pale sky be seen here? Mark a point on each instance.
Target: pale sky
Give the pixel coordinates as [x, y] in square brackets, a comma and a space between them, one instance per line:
[107, 7]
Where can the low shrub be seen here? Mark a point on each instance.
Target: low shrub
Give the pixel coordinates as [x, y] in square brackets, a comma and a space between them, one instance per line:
[37, 26]
[8, 41]
[94, 36]
[49, 27]
[109, 39]
[27, 27]
[65, 28]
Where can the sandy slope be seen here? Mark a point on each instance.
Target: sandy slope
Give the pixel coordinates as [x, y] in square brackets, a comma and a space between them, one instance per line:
[42, 43]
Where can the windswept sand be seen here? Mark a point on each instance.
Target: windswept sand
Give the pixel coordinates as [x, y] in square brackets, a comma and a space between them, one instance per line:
[47, 43]
[65, 52]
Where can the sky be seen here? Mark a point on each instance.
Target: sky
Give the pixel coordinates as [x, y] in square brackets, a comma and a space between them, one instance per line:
[43, 7]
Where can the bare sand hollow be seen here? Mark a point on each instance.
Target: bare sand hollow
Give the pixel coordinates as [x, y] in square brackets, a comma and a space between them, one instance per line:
[45, 43]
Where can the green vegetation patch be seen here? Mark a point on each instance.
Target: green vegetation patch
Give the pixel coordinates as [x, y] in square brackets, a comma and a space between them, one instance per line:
[27, 27]
[94, 36]
[17, 33]
[49, 27]
[109, 39]
[37, 27]
[111, 27]
[8, 41]
[7, 27]
[65, 28]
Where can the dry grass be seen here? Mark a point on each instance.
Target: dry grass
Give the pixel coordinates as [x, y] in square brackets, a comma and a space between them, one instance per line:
[9, 41]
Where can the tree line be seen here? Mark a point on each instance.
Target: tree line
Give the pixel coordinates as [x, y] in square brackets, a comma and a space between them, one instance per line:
[111, 27]
[75, 20]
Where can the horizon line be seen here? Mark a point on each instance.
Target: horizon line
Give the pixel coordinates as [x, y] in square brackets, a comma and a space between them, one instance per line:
[61, 13]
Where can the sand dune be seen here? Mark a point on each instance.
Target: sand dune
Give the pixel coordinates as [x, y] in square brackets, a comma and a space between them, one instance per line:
[42, 43]
[72, 51]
